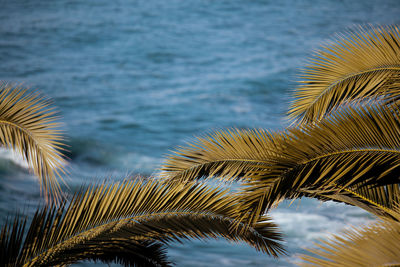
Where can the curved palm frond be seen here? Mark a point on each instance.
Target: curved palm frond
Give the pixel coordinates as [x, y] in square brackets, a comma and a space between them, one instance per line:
[374, 245]
[363, 63]
[113, 220]
[357, 148]
[378, 200]
[28, 125]
[229, 155]
[107, 249]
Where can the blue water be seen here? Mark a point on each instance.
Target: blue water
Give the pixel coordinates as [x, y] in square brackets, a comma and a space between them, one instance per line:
[134, 79]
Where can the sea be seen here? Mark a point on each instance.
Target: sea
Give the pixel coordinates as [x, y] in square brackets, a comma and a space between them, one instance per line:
[132, 80]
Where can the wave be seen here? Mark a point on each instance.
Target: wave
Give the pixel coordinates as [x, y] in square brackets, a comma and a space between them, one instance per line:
[11, 161]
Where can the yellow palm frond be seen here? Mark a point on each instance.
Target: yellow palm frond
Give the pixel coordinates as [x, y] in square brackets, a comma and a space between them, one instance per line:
[28, 125]
[229, 155]
[363, 63]
[113, 220]
[374, 245]
[354, 148]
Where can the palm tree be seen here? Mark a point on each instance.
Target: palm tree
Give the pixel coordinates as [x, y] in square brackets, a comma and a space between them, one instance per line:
[28, 126]
[129, 223]
[343, 145]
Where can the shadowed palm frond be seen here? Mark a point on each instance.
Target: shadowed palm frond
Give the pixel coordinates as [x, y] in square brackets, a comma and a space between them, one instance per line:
[13, 247]
[374, 245]
[378, 200]
[113, 220]
[363, 63]
[28, 125]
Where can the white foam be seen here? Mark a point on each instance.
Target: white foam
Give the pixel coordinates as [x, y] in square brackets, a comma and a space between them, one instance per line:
[138, 162]
[312, 223]
[13, 156]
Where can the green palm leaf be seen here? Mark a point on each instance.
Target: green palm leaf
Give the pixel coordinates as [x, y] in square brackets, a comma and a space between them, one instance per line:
[124, 215]
[28, 125]
[374, 245]
[363, 63]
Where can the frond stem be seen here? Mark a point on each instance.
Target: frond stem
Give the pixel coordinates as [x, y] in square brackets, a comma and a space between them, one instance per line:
[350, 151]
[355, 74]
[225, 160]
[365, 199]
[17, 126]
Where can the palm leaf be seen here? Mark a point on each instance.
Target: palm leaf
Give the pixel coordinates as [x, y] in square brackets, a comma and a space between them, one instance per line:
[378, 200]
[360, 64]
[229, 154]
[122, 216]
[13, 248]
[28, 125]
[354, 148]
[374, 245]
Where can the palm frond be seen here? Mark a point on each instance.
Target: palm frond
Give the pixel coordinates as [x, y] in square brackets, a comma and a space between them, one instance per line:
[28, 125]
[355, 148]
[115, 219]
[356, 65]
[374, 245]
[229, 155]
[13, 248]
[378, 200]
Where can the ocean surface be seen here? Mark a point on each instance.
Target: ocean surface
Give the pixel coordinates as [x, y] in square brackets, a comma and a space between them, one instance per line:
[134, 79]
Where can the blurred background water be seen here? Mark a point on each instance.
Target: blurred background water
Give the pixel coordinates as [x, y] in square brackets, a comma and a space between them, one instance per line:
[134, 79]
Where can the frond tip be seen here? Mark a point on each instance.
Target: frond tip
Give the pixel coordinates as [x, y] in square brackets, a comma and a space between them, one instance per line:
[230, 154]
[360, 64]
[28, 126]
[119, 221]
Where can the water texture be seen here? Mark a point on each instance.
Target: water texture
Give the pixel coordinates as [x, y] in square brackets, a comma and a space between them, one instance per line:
[134, 79]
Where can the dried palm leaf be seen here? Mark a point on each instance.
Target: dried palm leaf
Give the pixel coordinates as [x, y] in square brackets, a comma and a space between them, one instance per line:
[374, 245]
[118, 221]
[356, 65]
[28, 125]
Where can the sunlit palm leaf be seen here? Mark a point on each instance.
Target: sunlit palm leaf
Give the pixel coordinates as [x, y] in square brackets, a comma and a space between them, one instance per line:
[227, 154]
[126, 214]
[374, 245]
[360, 64]
[28, 125]
[354, 146]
